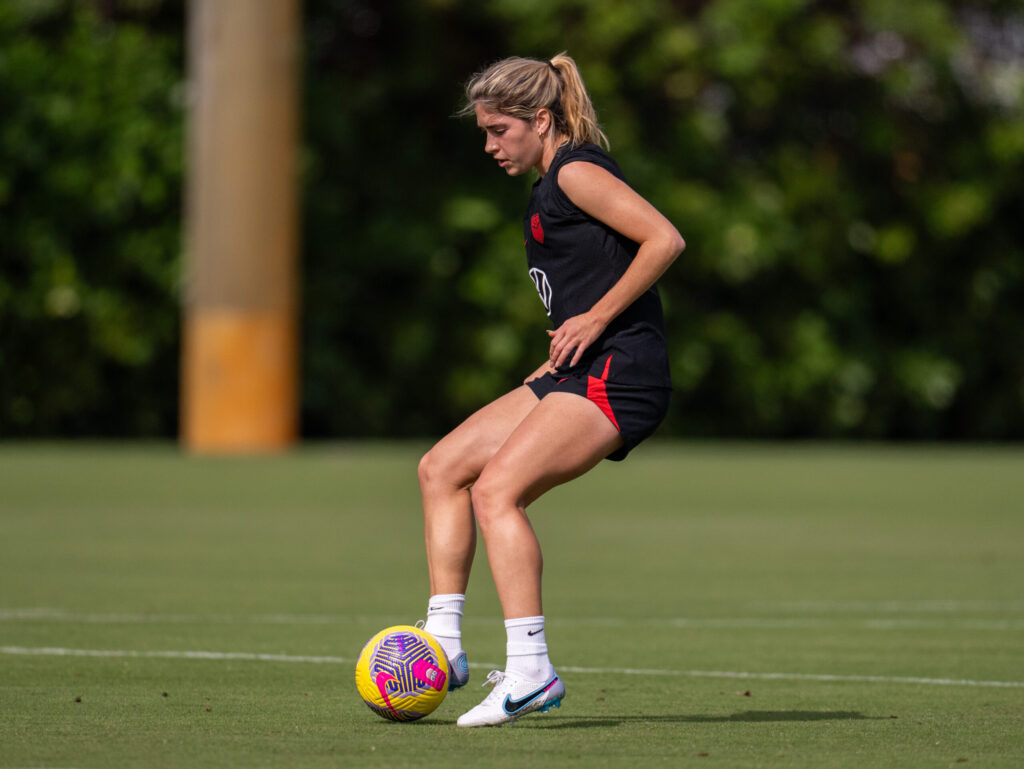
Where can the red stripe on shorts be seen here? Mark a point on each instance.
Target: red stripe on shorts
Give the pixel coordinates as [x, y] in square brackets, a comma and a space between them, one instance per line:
[597, 393]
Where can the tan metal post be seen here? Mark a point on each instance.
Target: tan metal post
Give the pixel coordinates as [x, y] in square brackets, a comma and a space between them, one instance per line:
[239, 358]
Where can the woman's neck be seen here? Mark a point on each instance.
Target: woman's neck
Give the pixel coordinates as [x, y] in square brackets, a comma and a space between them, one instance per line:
[551, 146]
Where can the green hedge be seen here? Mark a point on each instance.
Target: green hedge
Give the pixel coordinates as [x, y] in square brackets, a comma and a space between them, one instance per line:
[846, 174]
[90, 204]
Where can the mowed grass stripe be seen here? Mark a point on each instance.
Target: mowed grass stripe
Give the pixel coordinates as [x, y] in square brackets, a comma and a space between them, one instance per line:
[49, 651]
[759, 623]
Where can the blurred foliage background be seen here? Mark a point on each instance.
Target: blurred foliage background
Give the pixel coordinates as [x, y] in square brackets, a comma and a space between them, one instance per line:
[847, 175]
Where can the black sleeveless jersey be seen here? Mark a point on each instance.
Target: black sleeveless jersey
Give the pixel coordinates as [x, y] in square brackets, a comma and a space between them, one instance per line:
[574, 260]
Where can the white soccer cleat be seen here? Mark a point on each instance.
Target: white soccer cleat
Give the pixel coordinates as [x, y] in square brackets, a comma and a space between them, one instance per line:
[513, 696]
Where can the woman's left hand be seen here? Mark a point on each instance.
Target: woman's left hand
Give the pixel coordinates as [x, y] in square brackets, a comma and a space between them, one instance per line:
[573, 338]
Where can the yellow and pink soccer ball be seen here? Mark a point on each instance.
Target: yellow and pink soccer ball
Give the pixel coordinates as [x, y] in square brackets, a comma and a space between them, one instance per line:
[402, 673]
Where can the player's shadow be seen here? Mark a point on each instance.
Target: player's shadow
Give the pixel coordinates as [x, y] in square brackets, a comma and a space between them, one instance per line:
[746, 717]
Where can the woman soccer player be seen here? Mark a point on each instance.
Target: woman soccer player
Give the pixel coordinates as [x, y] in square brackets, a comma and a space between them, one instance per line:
[594, 249]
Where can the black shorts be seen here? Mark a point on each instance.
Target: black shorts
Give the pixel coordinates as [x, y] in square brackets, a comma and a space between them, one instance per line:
[635, 411]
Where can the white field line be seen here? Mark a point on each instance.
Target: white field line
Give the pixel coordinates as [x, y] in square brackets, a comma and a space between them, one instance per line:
[51, 651]
[932, 606]
[802, 677]
[757, 623]
[44, 614]
[54, 651]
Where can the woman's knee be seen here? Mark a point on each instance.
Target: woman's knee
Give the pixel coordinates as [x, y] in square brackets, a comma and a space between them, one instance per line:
[440, 471]
[431, 469]
[491, 497]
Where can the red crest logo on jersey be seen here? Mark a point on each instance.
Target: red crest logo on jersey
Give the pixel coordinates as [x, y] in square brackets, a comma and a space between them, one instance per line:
[538, 231]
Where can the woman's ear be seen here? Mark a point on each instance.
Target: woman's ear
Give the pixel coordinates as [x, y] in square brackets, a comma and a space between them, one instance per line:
[542, 122]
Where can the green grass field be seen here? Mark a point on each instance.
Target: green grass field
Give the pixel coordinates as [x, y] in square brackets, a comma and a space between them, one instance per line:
[708, 605]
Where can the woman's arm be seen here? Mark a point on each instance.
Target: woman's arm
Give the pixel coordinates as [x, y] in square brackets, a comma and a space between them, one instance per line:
[613, 202]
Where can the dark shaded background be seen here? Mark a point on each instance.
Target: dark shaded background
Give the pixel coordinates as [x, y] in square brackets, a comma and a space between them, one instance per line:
[848, 177]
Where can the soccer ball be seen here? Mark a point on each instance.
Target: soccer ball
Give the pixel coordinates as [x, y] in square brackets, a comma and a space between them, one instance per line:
[402, 673]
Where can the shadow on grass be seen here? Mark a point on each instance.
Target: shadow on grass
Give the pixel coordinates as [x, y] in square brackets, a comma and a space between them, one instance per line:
[746, 717]
[542, 721]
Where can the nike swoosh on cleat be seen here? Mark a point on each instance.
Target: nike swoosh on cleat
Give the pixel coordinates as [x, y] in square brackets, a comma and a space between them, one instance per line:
[513, 706]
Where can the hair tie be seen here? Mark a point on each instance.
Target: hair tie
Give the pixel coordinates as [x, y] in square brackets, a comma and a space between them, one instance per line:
[553, 67]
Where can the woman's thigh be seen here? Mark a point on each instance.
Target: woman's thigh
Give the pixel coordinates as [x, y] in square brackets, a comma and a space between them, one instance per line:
[463, 453]
[563, 437]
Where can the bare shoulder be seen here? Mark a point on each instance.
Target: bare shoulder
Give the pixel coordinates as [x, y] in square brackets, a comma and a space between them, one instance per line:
[580, 178]
[593, 188]
[607, 198]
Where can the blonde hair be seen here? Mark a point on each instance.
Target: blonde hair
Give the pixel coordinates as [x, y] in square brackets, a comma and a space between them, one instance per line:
[521, 87]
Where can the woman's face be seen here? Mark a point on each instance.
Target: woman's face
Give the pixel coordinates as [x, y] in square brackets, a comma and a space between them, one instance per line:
[513, 142]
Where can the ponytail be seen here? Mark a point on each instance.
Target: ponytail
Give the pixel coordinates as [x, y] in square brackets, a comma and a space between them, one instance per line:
[580, 119]
[521, 87]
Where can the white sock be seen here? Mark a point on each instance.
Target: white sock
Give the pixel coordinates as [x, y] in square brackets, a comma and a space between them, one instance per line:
[444, 621]
[527, 649]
